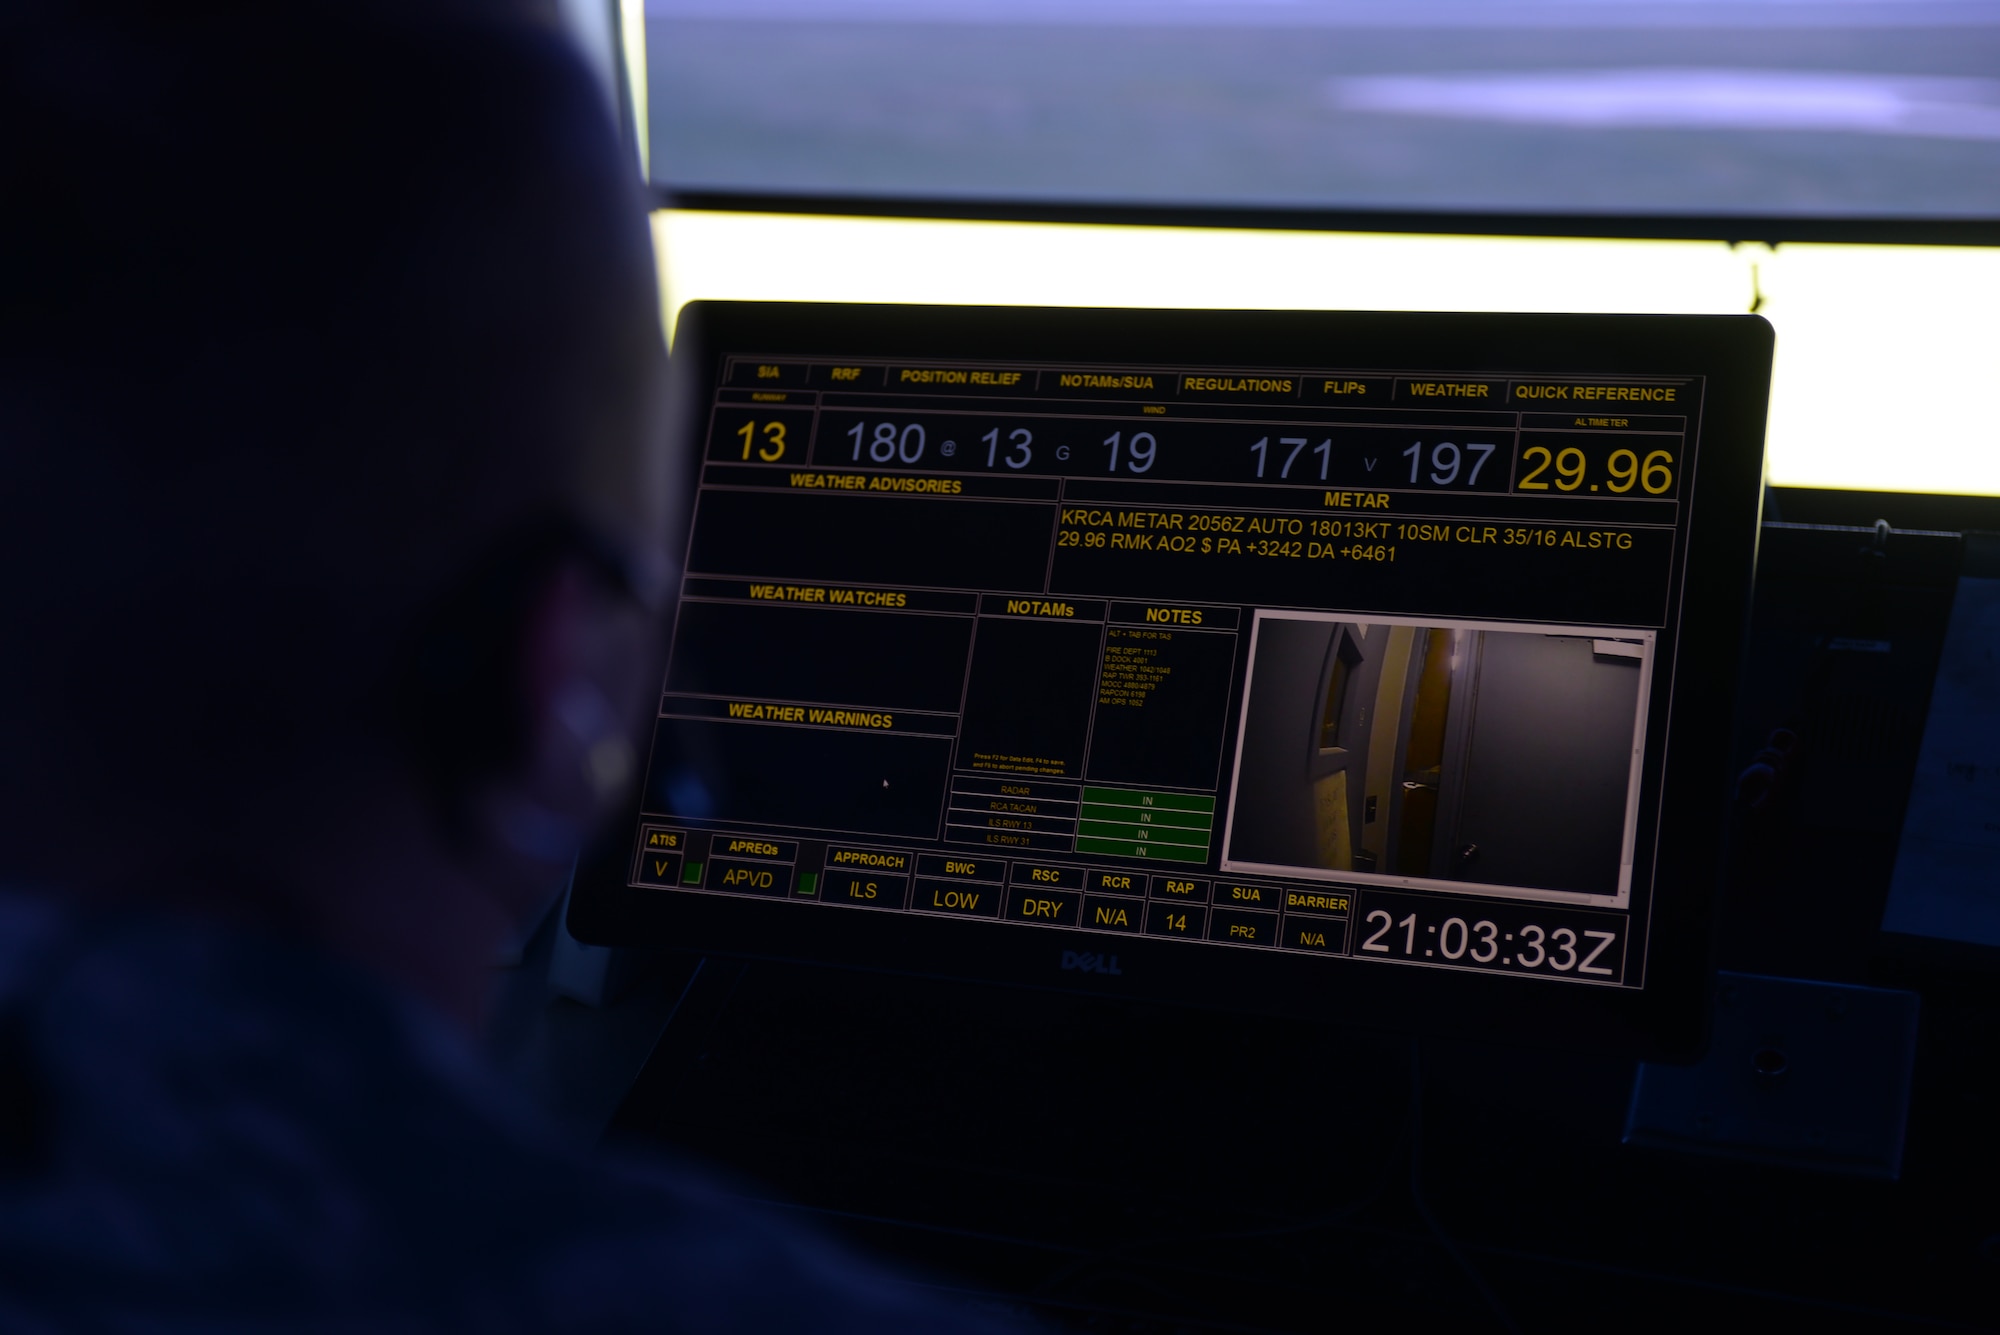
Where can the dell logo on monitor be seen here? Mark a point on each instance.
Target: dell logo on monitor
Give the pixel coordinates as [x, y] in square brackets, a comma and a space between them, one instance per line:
[1085, 961]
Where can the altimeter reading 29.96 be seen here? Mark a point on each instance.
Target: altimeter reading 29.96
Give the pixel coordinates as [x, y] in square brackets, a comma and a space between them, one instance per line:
[1505, 938]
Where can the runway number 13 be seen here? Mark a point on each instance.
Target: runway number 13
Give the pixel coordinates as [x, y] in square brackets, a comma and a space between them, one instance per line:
[773, 448]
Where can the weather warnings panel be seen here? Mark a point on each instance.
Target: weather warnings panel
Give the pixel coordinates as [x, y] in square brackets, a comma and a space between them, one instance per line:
[1310, 644]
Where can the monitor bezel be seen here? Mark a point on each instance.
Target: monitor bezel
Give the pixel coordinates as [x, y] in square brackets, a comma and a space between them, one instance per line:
[1666, 1019]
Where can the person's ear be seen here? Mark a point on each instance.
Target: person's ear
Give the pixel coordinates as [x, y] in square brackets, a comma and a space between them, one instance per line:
[586, 672]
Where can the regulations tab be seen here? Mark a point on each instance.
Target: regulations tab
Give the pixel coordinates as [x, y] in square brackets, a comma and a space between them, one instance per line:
[1241, 386]
[1451, 392]
[1348, 391]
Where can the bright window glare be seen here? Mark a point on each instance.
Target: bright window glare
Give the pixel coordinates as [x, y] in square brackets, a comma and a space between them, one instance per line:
[1733, 99]
[1836, 109]
[1885, 354]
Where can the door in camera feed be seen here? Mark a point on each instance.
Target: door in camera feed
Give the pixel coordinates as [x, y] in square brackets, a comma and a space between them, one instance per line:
[1337, 741]
[1542, 792]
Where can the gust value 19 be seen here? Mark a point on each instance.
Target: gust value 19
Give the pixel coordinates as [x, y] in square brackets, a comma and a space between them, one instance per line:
[1503, 938]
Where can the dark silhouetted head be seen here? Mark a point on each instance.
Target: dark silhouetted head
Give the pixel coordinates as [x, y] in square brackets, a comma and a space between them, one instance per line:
[330, 373]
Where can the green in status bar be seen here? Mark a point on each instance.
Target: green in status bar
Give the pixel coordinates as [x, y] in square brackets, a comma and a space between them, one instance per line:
[1133, 823]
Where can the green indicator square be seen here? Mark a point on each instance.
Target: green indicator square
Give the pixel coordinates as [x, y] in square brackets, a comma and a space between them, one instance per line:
[1133, 797]
[1193, 820]
[1120, 848]
[691, 874]
[808, 883]
[1128, 832]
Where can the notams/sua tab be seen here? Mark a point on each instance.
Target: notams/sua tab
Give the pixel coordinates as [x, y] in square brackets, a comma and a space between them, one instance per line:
[1104, 380]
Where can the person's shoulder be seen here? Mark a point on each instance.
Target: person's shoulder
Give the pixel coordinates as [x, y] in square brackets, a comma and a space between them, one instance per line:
[228, 1125]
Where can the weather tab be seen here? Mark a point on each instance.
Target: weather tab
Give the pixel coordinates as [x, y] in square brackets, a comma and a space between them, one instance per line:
[1451, 392]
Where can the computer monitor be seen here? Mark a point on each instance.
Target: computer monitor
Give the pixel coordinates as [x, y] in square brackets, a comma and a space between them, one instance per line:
[1375, 667]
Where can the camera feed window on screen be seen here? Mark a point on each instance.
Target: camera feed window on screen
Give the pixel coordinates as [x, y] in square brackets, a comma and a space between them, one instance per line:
[1946, 881]
[1344, 662]
[1447, 755]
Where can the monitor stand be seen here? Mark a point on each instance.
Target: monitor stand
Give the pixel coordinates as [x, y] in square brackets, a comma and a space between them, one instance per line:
[1802, 1074]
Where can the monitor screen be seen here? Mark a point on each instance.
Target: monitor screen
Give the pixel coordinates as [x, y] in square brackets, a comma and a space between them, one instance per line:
[1248, 659]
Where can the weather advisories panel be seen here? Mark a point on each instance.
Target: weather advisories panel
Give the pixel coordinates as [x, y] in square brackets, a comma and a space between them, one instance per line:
[1226, 645]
